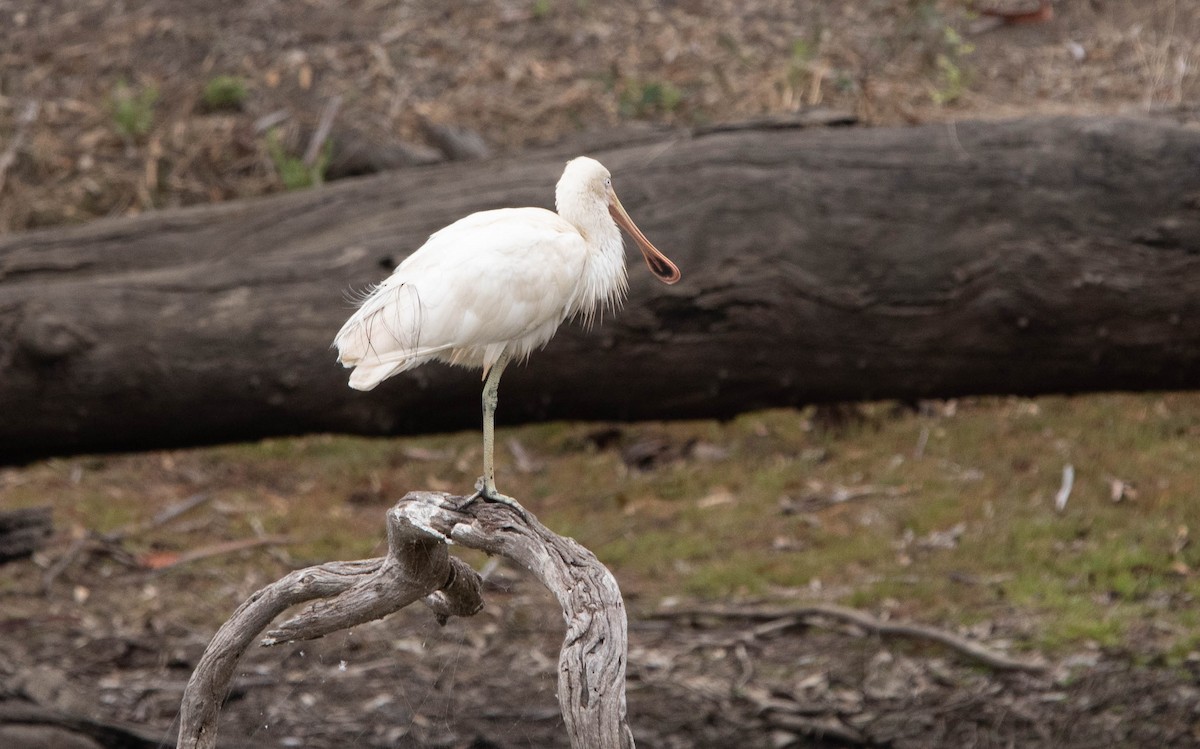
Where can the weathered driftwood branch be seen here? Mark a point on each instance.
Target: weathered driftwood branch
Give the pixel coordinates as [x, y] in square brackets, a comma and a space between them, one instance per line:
[591, 688]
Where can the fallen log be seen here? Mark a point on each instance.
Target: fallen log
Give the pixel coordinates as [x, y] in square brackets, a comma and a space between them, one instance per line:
[826, 264]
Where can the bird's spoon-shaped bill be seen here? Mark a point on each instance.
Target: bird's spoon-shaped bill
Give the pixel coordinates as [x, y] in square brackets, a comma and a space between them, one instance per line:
[659, 264]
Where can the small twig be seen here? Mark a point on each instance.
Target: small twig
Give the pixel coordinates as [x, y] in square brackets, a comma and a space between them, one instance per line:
[163, 517]
[225, 547]
[1064, 491]
[9, 157]
[745, 663]
[816, 728]
[313, 152]
[270, 120]
[839, 494]
[62, 563]
[781, 618]
[922, 441]
[109, 541]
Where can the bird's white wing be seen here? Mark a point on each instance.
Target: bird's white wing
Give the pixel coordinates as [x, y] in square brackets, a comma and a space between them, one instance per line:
[492, 280]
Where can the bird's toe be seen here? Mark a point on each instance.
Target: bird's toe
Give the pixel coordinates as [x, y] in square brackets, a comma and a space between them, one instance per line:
[489, 494]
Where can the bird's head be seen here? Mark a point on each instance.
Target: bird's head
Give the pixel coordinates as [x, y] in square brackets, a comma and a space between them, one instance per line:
[586, 180]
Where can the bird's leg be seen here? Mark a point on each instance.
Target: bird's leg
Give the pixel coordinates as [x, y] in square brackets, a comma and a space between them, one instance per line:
[486, 488]
[491, 397]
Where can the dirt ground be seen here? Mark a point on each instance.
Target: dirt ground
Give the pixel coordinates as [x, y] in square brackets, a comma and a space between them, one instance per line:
[104, 112]
[490, 681]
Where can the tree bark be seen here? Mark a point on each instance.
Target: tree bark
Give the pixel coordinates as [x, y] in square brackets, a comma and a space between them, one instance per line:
[828, 264]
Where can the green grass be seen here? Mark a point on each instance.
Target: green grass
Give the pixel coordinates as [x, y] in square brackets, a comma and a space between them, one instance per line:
[132, 109]
[930, 28]
[1100, 573]
[647, 98]
[224, 92]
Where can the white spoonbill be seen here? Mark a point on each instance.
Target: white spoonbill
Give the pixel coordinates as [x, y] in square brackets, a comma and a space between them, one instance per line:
[495, 286]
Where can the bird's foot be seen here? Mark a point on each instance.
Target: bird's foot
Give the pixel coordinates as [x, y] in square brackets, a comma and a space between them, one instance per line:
[488, 493]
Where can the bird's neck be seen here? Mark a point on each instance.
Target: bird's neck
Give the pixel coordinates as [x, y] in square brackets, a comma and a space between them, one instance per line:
[604, 281]
[586, 213]
[591, 217]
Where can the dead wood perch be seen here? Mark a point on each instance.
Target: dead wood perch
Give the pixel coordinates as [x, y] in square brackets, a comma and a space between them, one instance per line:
[418, 566]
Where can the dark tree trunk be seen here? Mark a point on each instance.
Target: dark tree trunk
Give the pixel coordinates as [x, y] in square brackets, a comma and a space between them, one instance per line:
[1054, 255]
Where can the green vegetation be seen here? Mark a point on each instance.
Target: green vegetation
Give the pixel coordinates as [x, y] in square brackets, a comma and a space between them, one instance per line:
[951, 76]
[224, 92]
[542, 9]
[945, 516]
[800, 65]
[948, 53]
[293, 172]
[132, 109]
[648, 98]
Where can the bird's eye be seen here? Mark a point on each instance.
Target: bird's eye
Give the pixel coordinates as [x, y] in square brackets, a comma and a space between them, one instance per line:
[608, 181]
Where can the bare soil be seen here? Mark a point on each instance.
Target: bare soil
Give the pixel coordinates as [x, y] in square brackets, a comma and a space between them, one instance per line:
[490, 681]
[112, 637]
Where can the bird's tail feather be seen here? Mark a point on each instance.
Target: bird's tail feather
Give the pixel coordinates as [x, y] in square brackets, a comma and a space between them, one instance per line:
[374, 368]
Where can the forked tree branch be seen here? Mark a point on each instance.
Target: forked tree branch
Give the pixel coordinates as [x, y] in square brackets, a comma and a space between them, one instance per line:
[591, 666]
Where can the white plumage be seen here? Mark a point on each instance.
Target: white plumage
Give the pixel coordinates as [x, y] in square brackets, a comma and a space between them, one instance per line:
[496, 285]
[492, 282]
